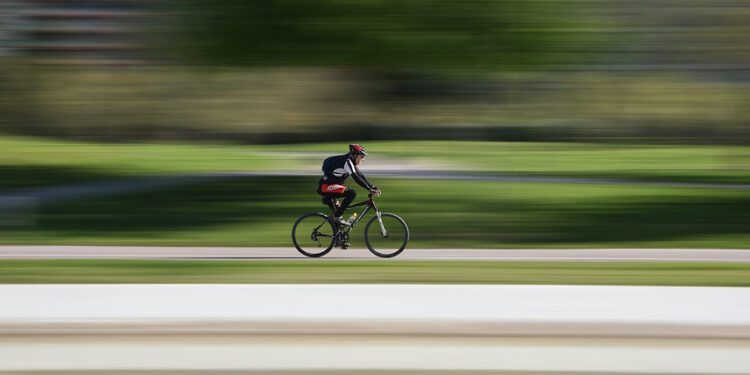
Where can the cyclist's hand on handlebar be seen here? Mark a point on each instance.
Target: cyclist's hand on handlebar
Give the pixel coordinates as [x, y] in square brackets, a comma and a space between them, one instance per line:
[375, 191]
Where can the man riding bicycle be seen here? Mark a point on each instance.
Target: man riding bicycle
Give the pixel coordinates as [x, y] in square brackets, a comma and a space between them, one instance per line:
[336, 169]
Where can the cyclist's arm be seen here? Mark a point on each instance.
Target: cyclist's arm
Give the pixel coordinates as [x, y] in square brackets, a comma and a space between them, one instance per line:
[371, 186]
[358, 176]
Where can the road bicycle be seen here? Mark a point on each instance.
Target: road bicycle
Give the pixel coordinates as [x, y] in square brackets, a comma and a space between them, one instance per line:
[314, 234]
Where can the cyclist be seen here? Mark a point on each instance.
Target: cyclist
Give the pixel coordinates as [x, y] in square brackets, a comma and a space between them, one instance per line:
[336, 169]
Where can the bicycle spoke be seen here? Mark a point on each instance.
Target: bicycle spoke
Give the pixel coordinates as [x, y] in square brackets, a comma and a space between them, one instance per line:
[386, 236]
[307, 233]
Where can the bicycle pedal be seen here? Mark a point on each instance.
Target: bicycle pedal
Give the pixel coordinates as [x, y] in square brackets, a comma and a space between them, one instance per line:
[345, 246]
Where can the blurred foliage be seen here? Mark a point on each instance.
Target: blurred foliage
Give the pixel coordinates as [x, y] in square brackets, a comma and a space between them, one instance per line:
[681, 35]
[287, 71]
[328, 104]
[378, 34]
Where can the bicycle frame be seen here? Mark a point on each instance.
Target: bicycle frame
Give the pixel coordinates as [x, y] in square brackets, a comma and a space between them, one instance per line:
[370, 205]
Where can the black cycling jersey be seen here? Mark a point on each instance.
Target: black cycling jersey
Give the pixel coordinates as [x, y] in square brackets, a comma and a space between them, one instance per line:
[336, 169]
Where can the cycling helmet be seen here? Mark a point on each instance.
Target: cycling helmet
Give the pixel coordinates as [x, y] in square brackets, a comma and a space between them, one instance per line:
[356, 149]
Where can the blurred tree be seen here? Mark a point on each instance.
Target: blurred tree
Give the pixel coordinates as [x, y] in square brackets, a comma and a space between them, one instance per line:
[443, 35]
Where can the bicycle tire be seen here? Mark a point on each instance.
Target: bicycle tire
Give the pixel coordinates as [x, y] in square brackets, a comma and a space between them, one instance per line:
[381, 253]
[304, 250]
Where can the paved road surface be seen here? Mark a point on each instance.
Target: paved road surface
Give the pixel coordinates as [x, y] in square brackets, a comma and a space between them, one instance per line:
[270, 253]
[372, 355]
[311, 348]
[569, 304]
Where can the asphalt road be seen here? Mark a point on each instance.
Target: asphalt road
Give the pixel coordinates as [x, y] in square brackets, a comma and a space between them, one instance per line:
[368, 355]
[388, 328]
[280, 253]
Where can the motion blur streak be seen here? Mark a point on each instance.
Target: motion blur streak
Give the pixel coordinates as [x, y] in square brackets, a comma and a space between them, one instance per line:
[513, 124]
[674, 71]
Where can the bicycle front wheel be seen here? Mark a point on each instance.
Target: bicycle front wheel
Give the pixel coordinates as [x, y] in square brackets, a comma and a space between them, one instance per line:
[312, 234]
[390, 238]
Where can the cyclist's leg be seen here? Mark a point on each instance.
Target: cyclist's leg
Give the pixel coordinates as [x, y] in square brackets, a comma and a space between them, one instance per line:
[326, 199]
[331, 202]
[337, 191]
[330, 193]
[349, 195]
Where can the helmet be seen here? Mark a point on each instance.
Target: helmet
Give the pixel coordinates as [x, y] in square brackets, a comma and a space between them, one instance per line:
[356, 149]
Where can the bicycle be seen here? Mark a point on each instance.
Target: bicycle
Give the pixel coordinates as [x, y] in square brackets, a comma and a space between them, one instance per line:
[314, 235]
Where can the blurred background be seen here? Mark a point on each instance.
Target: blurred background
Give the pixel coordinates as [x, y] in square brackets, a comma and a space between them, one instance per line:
[519, 124]
[577, 123]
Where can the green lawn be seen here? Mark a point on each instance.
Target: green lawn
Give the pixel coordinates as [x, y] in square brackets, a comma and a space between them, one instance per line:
[372, 272]
[31, 162]
[729, 164]
[440, 213]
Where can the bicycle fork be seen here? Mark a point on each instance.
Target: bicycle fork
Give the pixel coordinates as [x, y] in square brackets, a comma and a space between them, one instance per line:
[383, 232]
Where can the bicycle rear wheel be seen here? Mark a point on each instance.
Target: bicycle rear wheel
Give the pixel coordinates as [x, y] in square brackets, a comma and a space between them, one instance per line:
[312, 234]
[390, 239]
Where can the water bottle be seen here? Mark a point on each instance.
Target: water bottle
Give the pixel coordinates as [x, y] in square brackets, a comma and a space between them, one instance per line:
[353, 217]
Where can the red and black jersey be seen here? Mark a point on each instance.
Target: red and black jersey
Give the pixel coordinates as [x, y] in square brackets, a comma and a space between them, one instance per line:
[336, 169]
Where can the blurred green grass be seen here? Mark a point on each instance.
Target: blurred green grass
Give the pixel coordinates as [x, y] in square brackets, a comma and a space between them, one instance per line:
[258, 211]
[728, 164]
[32, 162]
[373, 272]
